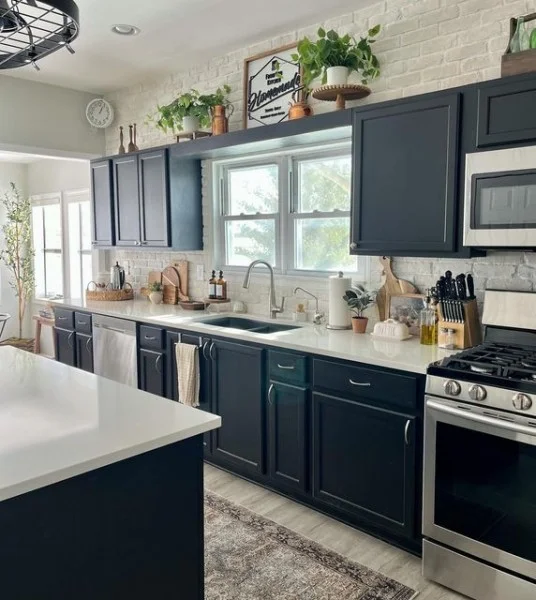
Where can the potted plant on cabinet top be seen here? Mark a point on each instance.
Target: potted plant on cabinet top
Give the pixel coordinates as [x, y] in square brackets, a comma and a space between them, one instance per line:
[358, 300]
[186, 113]
[333, 57]
[220, 108]
[18, 254]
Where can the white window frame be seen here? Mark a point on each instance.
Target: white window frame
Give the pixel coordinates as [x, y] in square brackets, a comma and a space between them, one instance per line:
[288, 201]
[64, 199]
[71, 197]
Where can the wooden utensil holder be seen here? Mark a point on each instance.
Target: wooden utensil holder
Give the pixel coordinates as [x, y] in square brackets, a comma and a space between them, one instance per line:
[467, 334]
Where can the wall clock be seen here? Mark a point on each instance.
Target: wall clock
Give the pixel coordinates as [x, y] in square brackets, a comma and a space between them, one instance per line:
[100, 113]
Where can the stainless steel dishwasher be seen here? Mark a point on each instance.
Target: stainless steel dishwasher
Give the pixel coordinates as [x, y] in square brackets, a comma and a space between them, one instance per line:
[114, 349]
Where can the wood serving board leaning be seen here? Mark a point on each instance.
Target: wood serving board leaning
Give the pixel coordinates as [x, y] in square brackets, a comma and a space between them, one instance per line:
[391, 287]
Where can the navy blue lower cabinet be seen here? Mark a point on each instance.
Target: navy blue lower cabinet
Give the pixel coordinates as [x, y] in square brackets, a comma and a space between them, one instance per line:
[364, 461]
[64, 340]
[287, 436]
[151, 367]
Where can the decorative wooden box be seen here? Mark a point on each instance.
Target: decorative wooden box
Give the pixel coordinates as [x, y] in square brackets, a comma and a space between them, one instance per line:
[518, 62]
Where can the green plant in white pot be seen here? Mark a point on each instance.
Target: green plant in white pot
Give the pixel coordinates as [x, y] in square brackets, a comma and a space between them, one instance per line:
[156, 293]
[187, 113]
[334, 57]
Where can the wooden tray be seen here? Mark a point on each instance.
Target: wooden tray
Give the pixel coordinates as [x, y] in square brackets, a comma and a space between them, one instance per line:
[518, 62]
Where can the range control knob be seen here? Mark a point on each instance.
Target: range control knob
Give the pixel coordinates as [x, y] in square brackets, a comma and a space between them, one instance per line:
[452, 388]
[522, 402]
[478, 393]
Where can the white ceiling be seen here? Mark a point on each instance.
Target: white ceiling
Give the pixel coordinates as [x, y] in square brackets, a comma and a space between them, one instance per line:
[26, 159]
[175, 34]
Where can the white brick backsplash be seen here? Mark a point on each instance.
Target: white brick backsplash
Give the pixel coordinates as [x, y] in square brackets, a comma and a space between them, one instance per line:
[424, 46]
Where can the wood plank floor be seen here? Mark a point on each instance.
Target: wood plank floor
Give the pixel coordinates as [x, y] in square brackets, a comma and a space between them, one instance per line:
[349, 542]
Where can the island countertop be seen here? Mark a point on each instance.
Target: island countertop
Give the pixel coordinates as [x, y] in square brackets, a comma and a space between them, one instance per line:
[409, 356]
[57, 422]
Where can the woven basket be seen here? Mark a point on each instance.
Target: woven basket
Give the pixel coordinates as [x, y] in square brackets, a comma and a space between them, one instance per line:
[109, 295]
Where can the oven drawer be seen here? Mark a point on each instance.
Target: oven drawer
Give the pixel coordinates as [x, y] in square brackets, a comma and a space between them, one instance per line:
[355, 381]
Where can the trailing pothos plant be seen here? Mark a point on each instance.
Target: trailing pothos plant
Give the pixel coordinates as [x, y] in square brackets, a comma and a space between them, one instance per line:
[190, 104]
[18, 253]
[334, 50]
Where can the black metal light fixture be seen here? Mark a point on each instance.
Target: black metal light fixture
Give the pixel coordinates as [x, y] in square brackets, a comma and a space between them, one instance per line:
[32, 29]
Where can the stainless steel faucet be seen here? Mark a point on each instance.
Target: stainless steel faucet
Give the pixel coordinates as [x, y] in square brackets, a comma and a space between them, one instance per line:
[274, 309]
[318, 317]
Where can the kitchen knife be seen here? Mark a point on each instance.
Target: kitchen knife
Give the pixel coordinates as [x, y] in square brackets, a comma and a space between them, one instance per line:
[461, 287]
[471, 287]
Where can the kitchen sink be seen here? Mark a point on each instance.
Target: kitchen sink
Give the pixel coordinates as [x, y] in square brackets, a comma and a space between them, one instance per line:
[248, 325]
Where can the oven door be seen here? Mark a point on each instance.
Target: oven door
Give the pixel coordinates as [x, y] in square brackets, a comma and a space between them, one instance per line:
[480, 485]
[500, 198]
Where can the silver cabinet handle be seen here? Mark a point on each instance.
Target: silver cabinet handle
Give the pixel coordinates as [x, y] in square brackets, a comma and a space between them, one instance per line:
[359, 384]
[157, 363]
[270, 390]
[61, 318]
[70, 339]
[406, 431]
[204, 350]
[82, 322]
[88, 345]
[150, 338]
[211, 351]
[286, 368]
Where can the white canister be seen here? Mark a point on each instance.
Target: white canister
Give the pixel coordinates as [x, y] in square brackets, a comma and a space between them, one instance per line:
[190, 124]
[337, 75]
[339, 315]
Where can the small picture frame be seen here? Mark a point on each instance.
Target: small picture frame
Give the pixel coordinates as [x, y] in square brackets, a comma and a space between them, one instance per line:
[406, 308]
[272, 82]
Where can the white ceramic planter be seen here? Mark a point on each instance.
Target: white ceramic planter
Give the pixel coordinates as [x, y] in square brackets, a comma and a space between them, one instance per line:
[190, 124]
[156, 297]
[337, 75]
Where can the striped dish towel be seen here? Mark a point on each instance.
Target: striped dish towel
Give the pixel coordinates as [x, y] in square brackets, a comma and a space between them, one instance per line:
[187, 356]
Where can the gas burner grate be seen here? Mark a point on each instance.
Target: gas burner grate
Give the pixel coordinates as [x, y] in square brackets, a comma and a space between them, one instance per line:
[32, 29]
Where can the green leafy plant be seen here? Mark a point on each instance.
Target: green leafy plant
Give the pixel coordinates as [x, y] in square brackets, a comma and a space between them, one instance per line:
[18, 254]
[190, 104]
[334, 50]
[359, 299]
[155, 287]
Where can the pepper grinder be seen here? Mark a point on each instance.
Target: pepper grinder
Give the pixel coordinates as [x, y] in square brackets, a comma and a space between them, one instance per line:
[131, 146]
[121, 141]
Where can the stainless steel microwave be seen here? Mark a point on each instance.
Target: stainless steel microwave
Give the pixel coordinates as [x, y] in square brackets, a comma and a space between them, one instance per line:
[500, 198]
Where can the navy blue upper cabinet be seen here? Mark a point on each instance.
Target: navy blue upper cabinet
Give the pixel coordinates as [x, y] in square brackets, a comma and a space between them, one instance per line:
[405, 180]
[101, 189]
[126, 200]
[506, 112]
[154, 198]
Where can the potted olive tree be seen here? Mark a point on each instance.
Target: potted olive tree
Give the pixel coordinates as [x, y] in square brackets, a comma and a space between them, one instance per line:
[17, 253]
[334, 57]
[358, 300]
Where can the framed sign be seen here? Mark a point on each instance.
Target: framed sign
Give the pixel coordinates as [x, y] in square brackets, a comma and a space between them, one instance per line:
[270, 80]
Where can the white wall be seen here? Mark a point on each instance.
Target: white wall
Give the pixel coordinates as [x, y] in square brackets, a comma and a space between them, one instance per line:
[46, 119]
[16, 173]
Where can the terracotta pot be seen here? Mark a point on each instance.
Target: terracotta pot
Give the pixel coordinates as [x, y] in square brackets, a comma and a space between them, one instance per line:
[220, 123]
[299, 110]
[359, 324]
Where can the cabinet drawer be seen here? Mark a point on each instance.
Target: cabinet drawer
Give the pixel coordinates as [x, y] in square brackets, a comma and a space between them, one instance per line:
[151, 337]
[82, 322]
[64, 318]
[355, 381]
[288, 367]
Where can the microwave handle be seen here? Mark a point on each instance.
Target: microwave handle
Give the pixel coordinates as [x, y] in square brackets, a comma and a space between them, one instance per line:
[483, 419]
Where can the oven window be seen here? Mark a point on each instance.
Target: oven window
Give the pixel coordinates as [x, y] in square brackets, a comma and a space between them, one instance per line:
[504, 201]
[486, 489]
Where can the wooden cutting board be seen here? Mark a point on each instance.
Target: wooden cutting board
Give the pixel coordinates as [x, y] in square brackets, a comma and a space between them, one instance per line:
[177, 275]
[392, 287]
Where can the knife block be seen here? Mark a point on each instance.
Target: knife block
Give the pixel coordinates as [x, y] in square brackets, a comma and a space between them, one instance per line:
[469, 333]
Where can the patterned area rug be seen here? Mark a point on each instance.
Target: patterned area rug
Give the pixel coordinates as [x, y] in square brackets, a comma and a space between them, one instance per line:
[248, 557]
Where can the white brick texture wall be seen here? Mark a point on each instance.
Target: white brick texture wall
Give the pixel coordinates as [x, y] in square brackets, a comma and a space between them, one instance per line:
[425, 45]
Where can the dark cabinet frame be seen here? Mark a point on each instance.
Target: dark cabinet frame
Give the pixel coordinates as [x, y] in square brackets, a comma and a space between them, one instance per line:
[102, 203]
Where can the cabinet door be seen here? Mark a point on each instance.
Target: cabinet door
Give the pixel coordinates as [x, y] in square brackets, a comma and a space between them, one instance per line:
[84, 352]
[154, 198]
[172, 387]
[238, 395]
[506, 112]
[405, 178]
[151, 367]
[287, 435]
[127, 202]
[65, 346]
[364, 462]
[101, 194]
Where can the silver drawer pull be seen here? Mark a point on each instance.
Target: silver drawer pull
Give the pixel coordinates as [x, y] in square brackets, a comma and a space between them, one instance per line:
[359, 384]
[61, 318]
[150, 338]
[286, 368]
[82, 322]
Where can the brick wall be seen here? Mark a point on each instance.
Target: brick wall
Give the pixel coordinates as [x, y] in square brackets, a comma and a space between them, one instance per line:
[425, 45]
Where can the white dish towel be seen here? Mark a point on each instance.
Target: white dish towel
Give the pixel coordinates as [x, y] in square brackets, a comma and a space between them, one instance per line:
[187, 356]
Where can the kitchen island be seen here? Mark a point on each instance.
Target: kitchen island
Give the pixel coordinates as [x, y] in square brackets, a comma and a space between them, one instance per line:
[101, 487]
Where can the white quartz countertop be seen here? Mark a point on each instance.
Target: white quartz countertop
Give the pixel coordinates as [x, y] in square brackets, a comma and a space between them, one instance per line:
[57, 422]
[363, 348]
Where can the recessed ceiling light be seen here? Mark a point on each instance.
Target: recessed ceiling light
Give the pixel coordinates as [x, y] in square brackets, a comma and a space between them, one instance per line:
[122, 29]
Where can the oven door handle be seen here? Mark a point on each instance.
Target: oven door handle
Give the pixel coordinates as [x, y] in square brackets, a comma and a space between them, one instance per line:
[483, 419]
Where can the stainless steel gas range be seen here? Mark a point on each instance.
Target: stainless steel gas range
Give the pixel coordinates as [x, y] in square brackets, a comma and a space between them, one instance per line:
[479, 505]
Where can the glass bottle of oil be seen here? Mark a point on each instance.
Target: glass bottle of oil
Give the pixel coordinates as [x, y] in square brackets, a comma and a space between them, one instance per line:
[428, 324]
